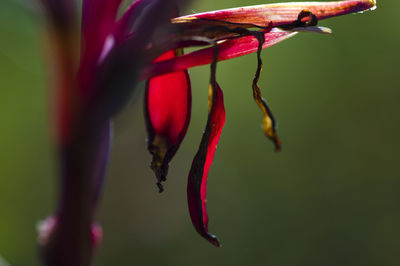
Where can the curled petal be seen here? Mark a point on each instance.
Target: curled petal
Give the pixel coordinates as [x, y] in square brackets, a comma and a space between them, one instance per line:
[227, 50]
[197, 182]
[279, 14]
[167, 105]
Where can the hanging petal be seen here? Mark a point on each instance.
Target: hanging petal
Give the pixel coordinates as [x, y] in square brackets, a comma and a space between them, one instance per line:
[167, 106]
[269, 123]
[197, 182]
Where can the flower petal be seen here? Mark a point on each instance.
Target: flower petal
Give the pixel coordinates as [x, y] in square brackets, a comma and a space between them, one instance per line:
[227, 50]
[197, 182]
[167, 106]
[278, 14]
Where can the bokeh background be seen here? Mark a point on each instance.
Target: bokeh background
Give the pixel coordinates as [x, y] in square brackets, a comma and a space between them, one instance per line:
[331, 197]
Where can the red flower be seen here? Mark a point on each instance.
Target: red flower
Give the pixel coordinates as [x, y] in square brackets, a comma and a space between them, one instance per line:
[92, 80]
[167, 97]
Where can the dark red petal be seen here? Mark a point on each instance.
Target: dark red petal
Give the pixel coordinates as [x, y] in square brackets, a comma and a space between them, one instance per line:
[197, 182]
[168, 102]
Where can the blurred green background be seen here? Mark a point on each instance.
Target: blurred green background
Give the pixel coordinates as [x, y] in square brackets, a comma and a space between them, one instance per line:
[331, 197]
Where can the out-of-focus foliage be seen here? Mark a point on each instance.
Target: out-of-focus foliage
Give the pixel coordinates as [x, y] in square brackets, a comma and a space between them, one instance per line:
[329, 198]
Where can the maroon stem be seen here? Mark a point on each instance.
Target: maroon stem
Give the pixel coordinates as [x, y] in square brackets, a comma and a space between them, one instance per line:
[71, 244]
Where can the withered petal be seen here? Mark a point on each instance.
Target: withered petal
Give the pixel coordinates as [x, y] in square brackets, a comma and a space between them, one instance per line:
[269, 123]
[167, 108]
